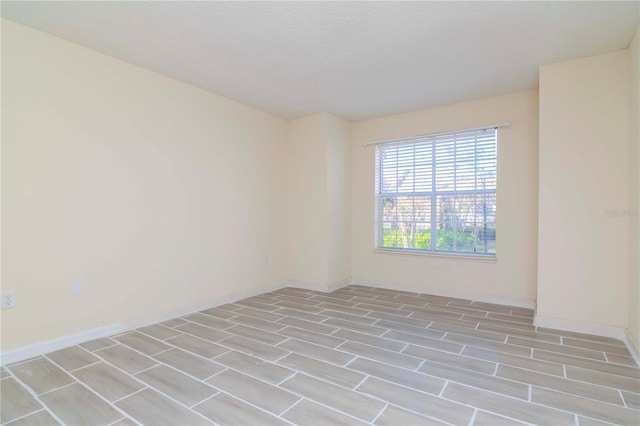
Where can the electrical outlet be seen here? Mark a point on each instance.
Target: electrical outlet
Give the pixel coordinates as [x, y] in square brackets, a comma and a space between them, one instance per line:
[8, 299]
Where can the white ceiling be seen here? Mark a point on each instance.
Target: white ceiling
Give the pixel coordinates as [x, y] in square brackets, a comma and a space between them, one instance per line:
[354, 59]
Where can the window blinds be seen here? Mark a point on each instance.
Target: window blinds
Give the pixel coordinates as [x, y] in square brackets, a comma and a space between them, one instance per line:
[438, 193]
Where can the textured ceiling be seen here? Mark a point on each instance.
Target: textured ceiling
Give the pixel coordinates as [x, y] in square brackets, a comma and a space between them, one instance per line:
[354, 59]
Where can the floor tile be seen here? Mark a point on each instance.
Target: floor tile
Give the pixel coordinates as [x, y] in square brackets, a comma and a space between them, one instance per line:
[310, 307]
[126, 359]
[444, 309]
[322, 370]
[394, 416]
[309, 336]
[256, 392]
[429, 317]
[125, 422]
[588, 421]
[453, 312]
[631, 400]
[186, 362]
[41, 375]
[550, 347]
[527, 334]
[408, 300]
[377, 302]
[338, 398]
[426, 342]
[198, 346]
[140, 342]
[483, 418]
[361, 328]
[367, 339]
[220, 313]
[336, 300]
[72, 358]
[251, 347]
[588, 364]
[255, 367]
[297, 303]
[40, 418]
[202, 332]
[308, 413]
[358, 354]
[348, 317]
[176, 385]
[347, 309]
[256, 313]
[506, 406]
[224, 409]
[301, 315]
[419, 402]
[229, 307]
[615, 349]
[587, 407]
[383, 355]
[410, 329]
[173, 323]
[107, 381]
[308, 325]
[316, 351]
[15, 401]
[478, 380]
[482, 321]
[257, 305]
[151, 408]
[208, 321]
[621, 359]
[398, 375]
[159, 332]
[76, 405]
[98, 344]
[581, 336]
[255, 334]
[453, 360]
[487, 344]
[487, 335]
[561, 384]
[419, 323]
[514, 360]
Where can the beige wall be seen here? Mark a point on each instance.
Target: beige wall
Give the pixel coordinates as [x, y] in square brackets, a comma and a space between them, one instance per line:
[154, 194]
[308, 201]
[584, 133]
[318, 216]
[513, 275]
[339, 200]
[634, 190]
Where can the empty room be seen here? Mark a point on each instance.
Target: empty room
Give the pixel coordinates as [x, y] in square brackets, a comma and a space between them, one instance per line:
[320, 213]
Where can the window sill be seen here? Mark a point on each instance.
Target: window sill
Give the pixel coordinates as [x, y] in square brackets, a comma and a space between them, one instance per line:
[443, 256]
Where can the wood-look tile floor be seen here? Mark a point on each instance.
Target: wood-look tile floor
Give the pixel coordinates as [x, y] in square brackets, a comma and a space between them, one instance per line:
[358, 355]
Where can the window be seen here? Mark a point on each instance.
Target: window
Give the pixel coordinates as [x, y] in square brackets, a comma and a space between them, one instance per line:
[437, 193]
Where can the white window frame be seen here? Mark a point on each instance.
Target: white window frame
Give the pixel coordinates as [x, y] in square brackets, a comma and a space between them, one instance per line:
[434, 192]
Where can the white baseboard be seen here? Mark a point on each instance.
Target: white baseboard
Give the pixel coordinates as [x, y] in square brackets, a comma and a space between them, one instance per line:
[477, 297]
[633, 346]
[306, 285]
[40, 348]
[580, 327]
[338, 285]
[325, 288]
